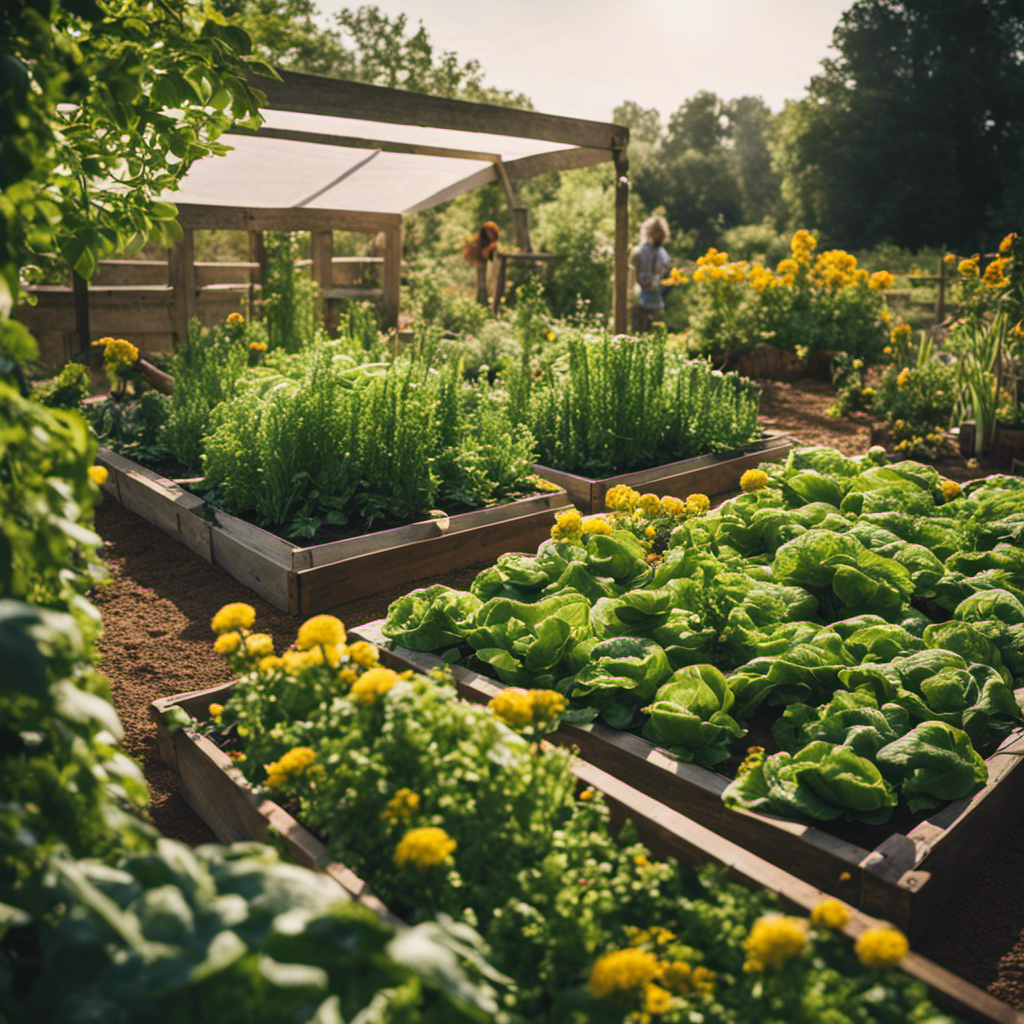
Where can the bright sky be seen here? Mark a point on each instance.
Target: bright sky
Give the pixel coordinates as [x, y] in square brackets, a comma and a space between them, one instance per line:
[582, 58]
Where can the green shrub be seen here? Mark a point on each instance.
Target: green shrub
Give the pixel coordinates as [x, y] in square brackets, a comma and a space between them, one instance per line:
[289, 296]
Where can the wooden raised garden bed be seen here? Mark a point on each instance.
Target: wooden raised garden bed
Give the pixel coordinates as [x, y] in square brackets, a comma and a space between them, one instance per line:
[706, 474]
[221, 796]
[308, 580]
[905, 878]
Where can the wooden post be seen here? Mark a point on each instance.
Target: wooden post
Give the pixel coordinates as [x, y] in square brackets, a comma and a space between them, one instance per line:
[392, 275]
[323, 269]
[80, 289]
[257, 254]
[182, 275]
[621, 239]
[940, 302]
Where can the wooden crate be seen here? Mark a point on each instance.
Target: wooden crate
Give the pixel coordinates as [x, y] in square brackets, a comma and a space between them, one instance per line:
[222, 797]
[307, 580]
[706, 474]
[905, 878]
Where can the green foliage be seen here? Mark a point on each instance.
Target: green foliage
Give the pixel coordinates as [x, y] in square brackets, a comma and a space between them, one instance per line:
[290, 305]
[901, 71]
[206, 369]
[66, 390]
[663, 406]
[132, 427]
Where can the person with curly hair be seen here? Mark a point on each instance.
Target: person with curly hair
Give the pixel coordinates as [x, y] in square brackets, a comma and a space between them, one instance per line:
[650, 262]
[477, 249]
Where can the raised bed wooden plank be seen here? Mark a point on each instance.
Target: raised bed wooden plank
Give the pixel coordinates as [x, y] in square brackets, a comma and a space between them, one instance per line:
[312, 579]
[706, 474]
[209, 781]
[905, 878]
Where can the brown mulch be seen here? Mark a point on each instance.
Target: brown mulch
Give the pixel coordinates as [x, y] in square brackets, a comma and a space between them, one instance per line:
[156, 613]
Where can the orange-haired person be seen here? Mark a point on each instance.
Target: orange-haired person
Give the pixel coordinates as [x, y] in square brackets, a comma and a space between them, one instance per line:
[477, 249]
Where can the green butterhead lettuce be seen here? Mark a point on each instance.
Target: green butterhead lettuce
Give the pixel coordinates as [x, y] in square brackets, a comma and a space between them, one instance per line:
[431, 618]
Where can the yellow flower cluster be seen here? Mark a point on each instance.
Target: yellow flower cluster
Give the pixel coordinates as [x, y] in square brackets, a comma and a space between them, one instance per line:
[118, 354]
[524, 709]
[235, 318]
[373, 683]
[363, 654]
[1006, 244]
[900, 335]
[424, 848]
[995, 274]
[880, 281]
[774, 939]
[568, 526]
[622, 970]
[697, 504]
[282, 771]
[402, 806]
[322, 631]
[904, 378]
[969, 267]
[216, 710]
[674, 507]
[881, 948]
[596, 525]
[621, 498]
[761, 278]
[836, 269]
[227, 643]
[753, 480]
[98, 475]
[950, 489]
[675, 276]
[257, 346]
[755, 755]
[237, 616]
[832, 914]
[802, 245]
[649, 504]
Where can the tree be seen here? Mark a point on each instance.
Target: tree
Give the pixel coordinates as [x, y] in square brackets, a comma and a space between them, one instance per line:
[913, 133]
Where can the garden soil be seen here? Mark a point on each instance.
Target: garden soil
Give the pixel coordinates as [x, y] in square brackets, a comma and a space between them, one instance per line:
[157, 607]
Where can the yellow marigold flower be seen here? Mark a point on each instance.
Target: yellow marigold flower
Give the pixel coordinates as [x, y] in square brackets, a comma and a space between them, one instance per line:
[650, 533]
[904, 378]
[969, 267]
[320, 630]
[704, 980]
[228, 643]
[656, 999]
[363, 653]
[402, 806]
[283, 770]
[216, 710]
[868, 392]
[233, 616]
[899, 335]
[586, 795]
[513, 706]
[994, 276]
[672, 506]
[753, 480]
[550, 335]
[899, 425]
[119, 354]
[235, 318]
[831, 914]
[271, 663]
[880, 280]
[950, 489]
[325, 654]
[698, 504]
[373, 683]
[547, 704]
[259, 645]
[257, 346]
[1006, 243]
[677, 975]
[641, 861]
[650, 504]
[885, 316]
[881, 947]
[424, 848]
[622, 970]
[568, 526]
[887, 350]
[774, 939]
[295, 662]
[621, 498]
[596, 525]
[98, 475]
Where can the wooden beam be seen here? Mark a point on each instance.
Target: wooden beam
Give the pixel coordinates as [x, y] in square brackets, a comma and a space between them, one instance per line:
[201, 216]
[182, 275]
[621, 280]
[317, 94]
[559, 160]
[80, 289]
[519, 221]
[353, 142]
[257, 255]
[392, 276]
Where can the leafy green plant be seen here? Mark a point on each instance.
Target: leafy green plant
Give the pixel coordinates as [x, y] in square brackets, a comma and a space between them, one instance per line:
[66, 390]
[289, 296]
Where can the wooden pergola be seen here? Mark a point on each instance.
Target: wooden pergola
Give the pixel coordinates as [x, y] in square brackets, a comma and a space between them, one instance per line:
[427, 150]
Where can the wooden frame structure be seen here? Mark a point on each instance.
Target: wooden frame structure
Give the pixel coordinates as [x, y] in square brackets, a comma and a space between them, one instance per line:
[587, 143]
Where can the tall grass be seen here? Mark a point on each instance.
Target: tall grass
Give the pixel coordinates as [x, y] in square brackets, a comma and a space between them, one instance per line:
[618, 404]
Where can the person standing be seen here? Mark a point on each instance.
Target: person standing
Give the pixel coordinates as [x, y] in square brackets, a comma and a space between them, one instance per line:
[477, 249]
[650, 263]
